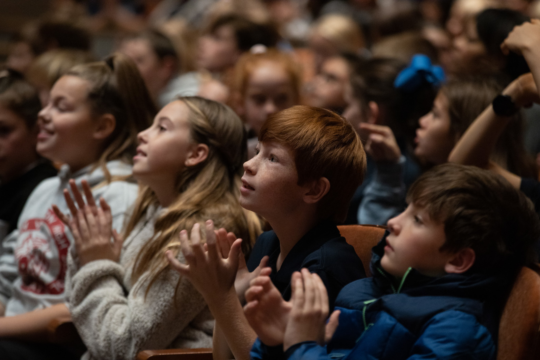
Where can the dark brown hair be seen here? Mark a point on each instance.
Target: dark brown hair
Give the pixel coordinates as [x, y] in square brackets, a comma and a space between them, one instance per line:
[19, 96]
[247, 33]
[480, 210]
[374, 81]
[117, 88]
[467, 99]
[324, 144]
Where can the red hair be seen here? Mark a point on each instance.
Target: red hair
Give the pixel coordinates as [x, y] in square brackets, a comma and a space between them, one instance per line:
[249, 62]
[324, 144]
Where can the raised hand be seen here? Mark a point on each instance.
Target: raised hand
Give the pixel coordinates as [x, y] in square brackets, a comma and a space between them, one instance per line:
[381, 143]
[243, 276]
[266, 311]
[208, 271]
[523, 90]
[309, 311]
[91, 226]
[522, 38]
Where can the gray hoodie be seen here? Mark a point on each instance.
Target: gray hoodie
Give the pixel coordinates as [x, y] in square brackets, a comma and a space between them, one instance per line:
[33, 258]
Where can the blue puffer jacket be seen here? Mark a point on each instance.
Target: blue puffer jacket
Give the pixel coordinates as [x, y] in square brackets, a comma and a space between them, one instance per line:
[421, 317]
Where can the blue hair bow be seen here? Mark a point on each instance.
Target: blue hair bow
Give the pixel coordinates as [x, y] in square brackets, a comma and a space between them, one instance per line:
[419, 70]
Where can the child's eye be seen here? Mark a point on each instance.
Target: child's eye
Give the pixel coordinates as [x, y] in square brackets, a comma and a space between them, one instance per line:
[417, 219]
[5, 130]
[272, 158]
[257, 151]
[162, 128]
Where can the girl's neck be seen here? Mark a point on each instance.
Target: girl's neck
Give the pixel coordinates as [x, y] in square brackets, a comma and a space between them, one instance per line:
[165, 193]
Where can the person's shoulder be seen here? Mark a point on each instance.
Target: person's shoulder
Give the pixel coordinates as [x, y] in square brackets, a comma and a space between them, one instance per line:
[337, 252]
[338, 260]
[119, 194]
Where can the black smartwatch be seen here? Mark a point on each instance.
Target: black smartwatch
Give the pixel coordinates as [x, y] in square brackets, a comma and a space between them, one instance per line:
[504, 106]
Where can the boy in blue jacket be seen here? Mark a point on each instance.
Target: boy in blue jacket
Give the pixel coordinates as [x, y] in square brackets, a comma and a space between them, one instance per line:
[441, 276]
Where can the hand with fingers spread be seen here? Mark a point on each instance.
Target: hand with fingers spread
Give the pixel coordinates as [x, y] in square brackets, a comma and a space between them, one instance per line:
[91, 226]
[309, 311]
[208, 271]
[381, 143]
[243, 275]
[266, 311]
[522, 38]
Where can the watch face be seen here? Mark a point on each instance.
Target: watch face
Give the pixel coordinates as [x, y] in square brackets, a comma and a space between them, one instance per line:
[504, 106]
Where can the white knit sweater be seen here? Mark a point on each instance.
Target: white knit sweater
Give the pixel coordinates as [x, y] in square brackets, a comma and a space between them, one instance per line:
[116, 322]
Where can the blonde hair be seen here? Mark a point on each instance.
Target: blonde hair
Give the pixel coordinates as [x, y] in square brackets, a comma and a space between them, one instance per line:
[117, 88]
[209, 190]
[250, 61]
[341, 31]
[51, 65]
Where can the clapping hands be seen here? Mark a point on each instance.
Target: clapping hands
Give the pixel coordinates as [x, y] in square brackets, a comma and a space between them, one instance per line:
[91, 226]
[303, 318]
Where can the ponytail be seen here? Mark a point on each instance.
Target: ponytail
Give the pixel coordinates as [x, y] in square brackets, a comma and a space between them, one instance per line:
[117, 88]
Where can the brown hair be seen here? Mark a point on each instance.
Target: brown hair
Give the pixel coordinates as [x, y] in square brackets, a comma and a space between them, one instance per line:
[467, 98]
[480, 210]
[51, 65]
[49, 33]
[404, 46]
[249, 62]
[324, 144]
[374, 81]
[117, 88]
[19, 96]
[342, 31]
[247, 33]
[209, 190]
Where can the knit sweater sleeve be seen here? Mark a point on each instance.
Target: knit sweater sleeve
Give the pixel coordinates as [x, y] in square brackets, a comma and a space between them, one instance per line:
[116, 325]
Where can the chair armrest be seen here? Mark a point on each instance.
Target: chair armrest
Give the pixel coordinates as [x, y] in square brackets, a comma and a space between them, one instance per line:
[176, 354]
[61, 331]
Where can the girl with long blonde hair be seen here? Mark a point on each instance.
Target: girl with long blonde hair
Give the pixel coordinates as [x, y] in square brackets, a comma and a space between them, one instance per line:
[125, 298]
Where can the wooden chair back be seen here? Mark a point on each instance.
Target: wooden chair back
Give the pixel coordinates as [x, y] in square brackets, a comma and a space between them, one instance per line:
[519, 329]
[362, 238]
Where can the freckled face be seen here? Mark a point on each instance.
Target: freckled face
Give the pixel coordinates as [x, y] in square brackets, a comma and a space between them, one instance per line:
[270, 182]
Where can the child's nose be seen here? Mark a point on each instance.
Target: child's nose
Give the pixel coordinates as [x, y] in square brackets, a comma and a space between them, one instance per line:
[392, 225]
[43, 115]
[249, 167]
[141, 137]
[270, 108]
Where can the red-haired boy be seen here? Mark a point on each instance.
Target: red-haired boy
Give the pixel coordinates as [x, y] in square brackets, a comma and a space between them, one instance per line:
[308, 164]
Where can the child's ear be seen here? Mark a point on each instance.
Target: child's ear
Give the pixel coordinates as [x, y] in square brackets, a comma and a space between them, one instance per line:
[460, 262]
[197, 154]
[374, 113]
[316, 190]
[105, 126]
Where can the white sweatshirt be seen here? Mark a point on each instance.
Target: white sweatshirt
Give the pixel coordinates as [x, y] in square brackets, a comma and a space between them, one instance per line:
[33, 258]
[114, 317]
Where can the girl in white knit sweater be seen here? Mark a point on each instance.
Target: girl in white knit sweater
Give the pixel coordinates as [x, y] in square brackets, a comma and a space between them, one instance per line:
[124, 297]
